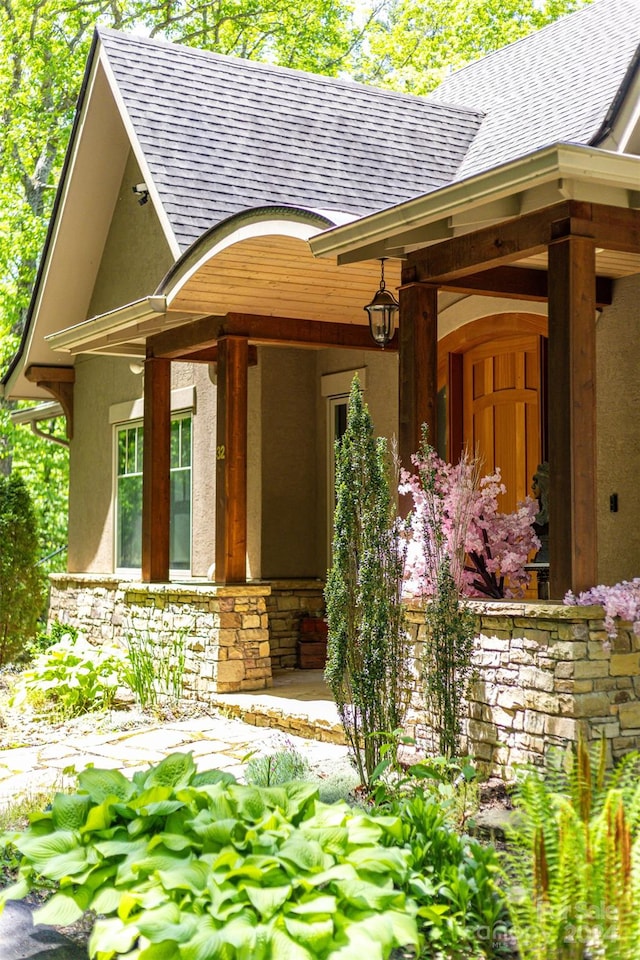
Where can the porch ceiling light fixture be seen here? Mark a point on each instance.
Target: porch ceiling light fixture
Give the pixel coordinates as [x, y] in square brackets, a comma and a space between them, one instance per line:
[382, 312]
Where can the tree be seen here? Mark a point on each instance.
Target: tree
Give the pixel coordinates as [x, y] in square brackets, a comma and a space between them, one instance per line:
[413, 44]
[368, 646]
[21, 584]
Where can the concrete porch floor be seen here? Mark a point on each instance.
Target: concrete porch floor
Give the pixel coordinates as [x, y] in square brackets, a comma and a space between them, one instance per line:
[299, 702]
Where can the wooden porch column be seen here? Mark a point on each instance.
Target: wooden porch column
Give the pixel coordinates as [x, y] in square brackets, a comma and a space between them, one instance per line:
[155, 470]
[572, 415]
[231, 461]
[418, 369]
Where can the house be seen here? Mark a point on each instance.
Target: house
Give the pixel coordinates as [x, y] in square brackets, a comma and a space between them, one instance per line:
[216, 234]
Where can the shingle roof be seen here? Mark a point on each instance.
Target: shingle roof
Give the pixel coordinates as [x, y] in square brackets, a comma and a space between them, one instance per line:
[222, 135]
[555, 85]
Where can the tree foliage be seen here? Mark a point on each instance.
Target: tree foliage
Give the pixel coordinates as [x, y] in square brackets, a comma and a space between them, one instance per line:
[413, 44]
[21, 587]
[368, 647]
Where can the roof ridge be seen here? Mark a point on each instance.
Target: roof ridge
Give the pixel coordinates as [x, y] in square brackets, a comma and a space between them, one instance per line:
[345, 83]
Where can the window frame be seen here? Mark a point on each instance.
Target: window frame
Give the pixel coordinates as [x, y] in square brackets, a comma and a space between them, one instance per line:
[175, 573]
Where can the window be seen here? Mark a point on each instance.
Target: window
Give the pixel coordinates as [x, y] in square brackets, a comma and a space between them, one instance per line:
[129, 445]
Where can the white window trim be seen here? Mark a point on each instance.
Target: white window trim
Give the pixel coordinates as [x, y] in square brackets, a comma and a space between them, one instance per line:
[131, 413]
[182, 399]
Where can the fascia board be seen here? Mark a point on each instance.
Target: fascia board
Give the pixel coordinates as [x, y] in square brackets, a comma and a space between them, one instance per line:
[139, 155]
[71, 338]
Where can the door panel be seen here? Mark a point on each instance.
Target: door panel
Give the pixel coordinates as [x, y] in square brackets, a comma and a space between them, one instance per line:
[501, 410]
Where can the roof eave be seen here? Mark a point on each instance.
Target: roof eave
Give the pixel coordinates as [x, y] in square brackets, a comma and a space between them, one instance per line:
[560, 161]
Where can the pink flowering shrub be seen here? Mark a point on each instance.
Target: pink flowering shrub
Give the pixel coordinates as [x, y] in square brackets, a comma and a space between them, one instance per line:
[456, 513]
[622, 600]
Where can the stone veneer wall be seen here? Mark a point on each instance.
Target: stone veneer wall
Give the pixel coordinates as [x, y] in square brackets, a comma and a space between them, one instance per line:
[226, 628]
[546, 674]
[288, 602]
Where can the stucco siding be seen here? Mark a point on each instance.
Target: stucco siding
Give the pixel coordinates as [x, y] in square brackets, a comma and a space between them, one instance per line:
[136, 254]
[289, 468]
[100, 381]
[618, 450]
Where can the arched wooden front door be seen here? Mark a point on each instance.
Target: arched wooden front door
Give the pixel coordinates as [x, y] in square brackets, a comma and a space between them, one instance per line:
[496, 387]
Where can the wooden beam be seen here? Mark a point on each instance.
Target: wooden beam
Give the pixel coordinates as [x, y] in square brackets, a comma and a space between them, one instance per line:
[231, 461]
[418, 369]
[519, 283]
[612, 228]
[155, 471]
[572, 416]
[58, 381]
[210, 355]
[483, 249]
[283, 331]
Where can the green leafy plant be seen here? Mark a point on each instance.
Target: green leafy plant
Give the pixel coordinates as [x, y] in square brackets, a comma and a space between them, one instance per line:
[71, 677]
[196, 865]
[55, 633]
[574, 863]
[368, 646]
[453, 880]
[452, 784]
[21, 584]
[155, 667]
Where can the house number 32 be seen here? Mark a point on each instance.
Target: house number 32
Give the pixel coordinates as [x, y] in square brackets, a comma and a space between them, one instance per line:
[220, 451]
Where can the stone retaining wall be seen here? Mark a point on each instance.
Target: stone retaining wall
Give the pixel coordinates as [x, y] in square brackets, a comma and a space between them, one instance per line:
[288, 602]
[225, 628]
[546, 674]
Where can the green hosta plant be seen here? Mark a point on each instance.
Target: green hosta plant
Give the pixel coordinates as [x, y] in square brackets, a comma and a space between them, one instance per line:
[196, 866]
[71, 677]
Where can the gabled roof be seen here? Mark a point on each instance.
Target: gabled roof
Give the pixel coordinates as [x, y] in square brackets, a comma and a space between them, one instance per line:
[559, 84]
[221, 135]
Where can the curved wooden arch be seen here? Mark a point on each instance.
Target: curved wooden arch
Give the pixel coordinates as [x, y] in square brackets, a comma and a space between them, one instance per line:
[492, 327]
[489, 329]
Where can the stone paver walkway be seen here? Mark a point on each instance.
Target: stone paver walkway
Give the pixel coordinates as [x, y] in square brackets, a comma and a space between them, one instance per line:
[297, 703]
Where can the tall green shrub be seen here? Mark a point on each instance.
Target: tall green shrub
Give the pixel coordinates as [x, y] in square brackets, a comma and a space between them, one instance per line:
[367, 661]
[21, 584]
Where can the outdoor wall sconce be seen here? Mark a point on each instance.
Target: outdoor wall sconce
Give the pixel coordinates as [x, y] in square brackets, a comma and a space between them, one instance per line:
[382, 312]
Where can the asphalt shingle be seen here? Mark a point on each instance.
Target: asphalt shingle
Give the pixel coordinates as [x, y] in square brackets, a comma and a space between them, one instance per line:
[555, 85]
[222, 135]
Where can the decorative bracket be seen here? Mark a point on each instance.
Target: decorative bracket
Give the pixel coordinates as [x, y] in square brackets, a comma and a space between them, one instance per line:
[58, 381]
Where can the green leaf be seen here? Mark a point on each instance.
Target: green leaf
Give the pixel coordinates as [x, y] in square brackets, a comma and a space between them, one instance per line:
[62, 909]
[368, 896]
[205, 944]
[192, 877]
[315, 905]
[249, 801]
[306, 855]
[16, 891]
[284, 948]
[313, 935]
[106, 900]
[112, 936]
[166, 922]
[69, 811]
[100, 784]
[175, 771]
[267, 900]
